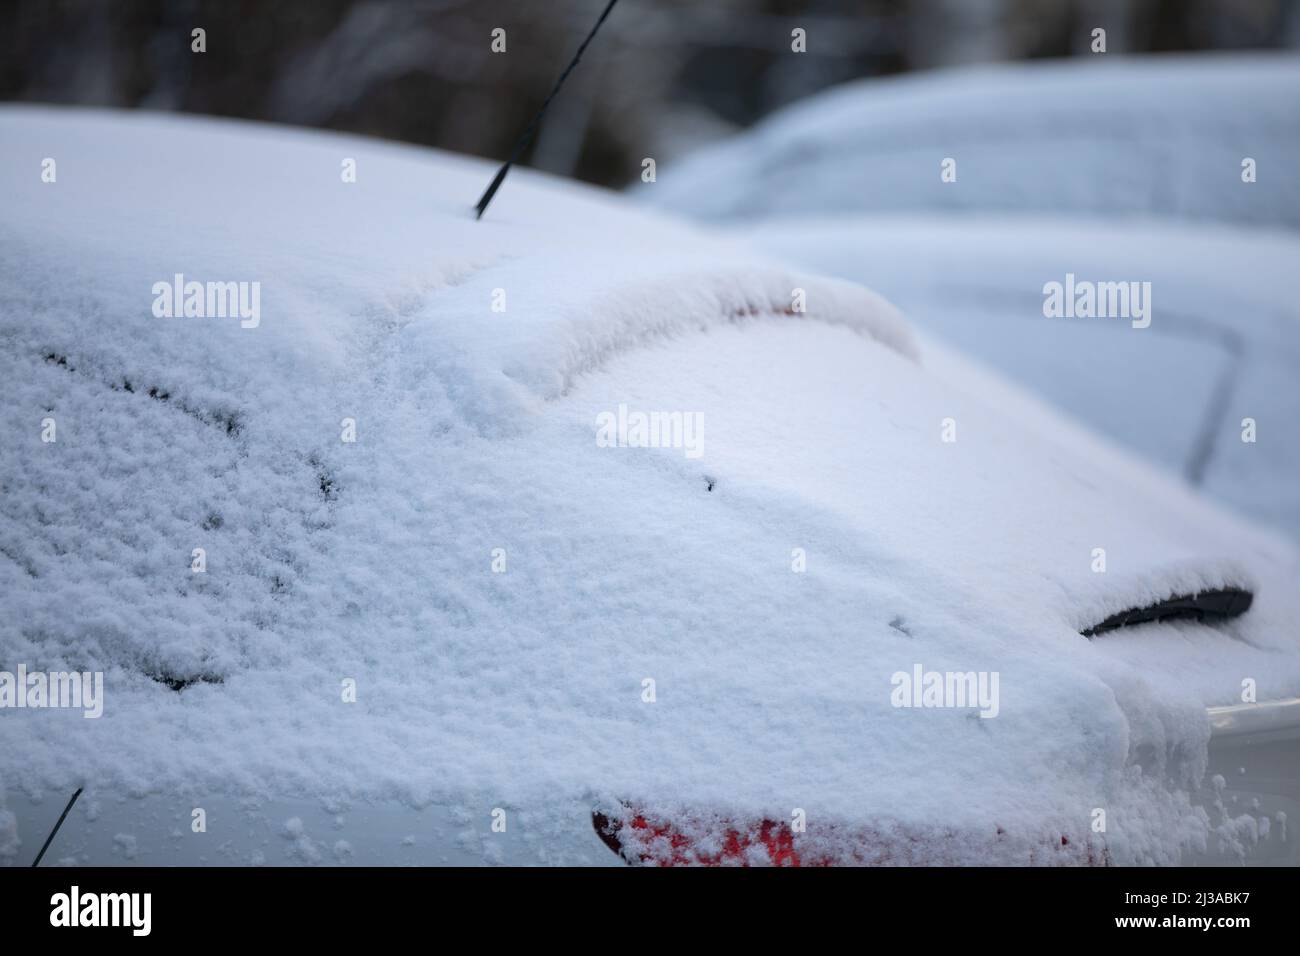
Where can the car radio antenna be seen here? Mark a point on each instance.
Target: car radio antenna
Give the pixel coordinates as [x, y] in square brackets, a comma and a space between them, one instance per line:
[527, 136]
[62, 816]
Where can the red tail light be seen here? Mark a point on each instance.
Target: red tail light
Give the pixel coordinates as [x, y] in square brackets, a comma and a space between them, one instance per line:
[645, 839]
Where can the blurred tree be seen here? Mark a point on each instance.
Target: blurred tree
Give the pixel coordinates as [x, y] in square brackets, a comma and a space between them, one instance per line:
[663, 76]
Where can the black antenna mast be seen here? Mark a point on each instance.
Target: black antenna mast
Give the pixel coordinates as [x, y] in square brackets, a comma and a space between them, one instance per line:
[62, 816]
[527, 137]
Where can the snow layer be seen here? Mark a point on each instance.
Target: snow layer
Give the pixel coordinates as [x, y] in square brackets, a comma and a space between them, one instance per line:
[372, 560]
[1100, 135]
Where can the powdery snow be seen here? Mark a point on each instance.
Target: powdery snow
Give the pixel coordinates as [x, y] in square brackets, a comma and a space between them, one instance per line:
[373, 561]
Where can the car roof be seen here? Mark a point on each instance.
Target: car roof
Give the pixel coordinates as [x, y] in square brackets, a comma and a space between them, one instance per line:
[1105, 135]
[375, 561]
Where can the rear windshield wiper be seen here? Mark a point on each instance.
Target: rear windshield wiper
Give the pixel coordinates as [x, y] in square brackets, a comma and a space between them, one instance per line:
[1217, 604]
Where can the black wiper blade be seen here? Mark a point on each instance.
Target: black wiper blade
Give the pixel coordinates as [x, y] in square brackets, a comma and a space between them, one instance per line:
[1217, 604]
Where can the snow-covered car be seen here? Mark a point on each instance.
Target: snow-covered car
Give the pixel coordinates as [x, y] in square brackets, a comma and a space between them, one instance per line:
[1197, 137]
[400, 537]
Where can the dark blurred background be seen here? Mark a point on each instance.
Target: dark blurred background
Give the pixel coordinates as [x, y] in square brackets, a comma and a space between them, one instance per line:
[663, 77]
